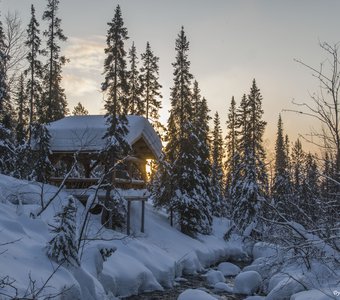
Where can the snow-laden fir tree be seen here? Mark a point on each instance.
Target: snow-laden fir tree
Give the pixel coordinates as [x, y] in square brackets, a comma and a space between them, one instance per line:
[218, 203]
[115, 86]
[53, 105]
[201, 129]
[186, 196]
[135, 105]
[282, 185]
[200, 121]
[232, 155]
[3, 75]
[21, 110]
[310, 197]
[251, 187]
[7, 148]
[151, 95]
[80, 110]
[305, 187]
[42, 166]
[62, 248]
[34, 71]
[305, 208]
[116, 89]
[329, 190]
[23, 154]
[297, 160]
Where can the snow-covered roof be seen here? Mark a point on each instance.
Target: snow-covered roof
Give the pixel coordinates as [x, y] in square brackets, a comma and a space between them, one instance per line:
[85, 133]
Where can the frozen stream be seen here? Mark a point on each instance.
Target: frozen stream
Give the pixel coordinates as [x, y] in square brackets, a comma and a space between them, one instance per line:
[190, 282]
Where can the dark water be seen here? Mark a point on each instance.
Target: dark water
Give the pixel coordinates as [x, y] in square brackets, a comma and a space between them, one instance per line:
[191, 282]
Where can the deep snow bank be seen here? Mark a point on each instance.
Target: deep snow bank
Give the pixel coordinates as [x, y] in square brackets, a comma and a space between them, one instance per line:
[141, 262]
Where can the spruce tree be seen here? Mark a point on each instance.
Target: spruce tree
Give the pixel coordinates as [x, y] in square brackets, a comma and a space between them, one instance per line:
[34, 72]
[251, 188]
[22, 111]
[42, 166]
[79, 110]
[135, 105]
[328, 187]
[116, 88]
[297, 160]
[63, 246]
[151, 94]
[232, 155]
[3, 75]
[187, 197]
[53, 103]
[115, 85]
[200, 121]
[282, 187]
[201, 130]
[7, 148]
[217, 168]
[310, 196]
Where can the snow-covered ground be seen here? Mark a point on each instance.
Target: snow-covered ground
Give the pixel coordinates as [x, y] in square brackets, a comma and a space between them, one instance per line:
[143, 261]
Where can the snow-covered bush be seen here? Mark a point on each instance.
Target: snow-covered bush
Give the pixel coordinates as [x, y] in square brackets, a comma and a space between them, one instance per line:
[63, 246]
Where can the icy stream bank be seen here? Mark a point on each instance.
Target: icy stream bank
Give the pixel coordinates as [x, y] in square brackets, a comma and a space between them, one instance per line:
[194, 281]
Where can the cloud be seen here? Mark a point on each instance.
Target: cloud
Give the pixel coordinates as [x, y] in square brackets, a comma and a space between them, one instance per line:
[86, 55]
[76, 86]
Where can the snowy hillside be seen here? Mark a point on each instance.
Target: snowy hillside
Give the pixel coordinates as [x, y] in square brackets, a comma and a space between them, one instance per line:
[142, 262]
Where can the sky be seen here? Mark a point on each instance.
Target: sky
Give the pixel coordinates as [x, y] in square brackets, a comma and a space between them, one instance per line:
[231, 42]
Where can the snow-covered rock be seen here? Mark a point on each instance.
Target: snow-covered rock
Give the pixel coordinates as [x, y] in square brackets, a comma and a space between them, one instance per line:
[313, 295]
[236, 251]
[285, 287]
[262, 265]
[193, 294]
[255, 298]
[213, 277]
[262, 249]
[228, 269]
[247, 283]
[223, 287]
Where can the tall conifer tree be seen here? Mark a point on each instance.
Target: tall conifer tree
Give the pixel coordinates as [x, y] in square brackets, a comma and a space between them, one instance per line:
[7, 149]
[135, 106]
[282, 188]
[232, 155]
[3, 83]
[22, 110]
[34, 72]
[217, 168]
[251, 187]
[150, 85]
[53, 103]
[116, 88]
[186, 195]
[115, 84]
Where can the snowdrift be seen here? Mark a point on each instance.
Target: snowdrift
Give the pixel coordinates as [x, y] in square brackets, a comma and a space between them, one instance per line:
[141, 262]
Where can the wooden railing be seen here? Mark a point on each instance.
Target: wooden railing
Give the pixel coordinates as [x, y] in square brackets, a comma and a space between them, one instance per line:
[84, 183]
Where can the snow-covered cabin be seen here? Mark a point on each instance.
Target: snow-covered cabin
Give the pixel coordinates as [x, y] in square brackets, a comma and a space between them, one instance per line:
[84, 135]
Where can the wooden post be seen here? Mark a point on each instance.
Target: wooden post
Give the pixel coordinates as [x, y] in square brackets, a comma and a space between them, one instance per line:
[143, 213]
[171, 218]
[128, 218]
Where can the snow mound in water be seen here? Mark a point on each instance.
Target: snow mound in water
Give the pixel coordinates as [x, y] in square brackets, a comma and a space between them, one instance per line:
[228, 269]
[212, 277]
[313, 295]
[191, 294]
[247, 283]
[223, 287]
